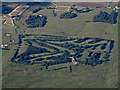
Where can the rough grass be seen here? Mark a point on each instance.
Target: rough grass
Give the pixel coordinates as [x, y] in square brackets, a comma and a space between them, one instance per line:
[83, 76]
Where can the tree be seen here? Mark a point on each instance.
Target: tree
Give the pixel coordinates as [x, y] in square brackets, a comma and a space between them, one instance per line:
[105, 17]
[68, 15]
[36, 21]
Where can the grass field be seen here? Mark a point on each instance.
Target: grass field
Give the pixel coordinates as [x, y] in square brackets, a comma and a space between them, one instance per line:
[17, 75]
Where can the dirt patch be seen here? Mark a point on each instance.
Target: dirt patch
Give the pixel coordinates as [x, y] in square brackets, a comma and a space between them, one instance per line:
[62, 8]
[92, 4]
[12, 5]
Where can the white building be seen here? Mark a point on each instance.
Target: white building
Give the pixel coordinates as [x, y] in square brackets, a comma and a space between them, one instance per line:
[73, 60]
[6, 45]
[3, 46]
[40, 15]
[116, 7]
[108, 7]
[8, 34]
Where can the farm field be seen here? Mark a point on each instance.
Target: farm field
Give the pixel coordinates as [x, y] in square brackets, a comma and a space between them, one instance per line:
[39, 57]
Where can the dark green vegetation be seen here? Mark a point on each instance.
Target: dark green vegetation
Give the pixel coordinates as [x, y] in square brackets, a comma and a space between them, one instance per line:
[6, 9]
[83, 10]
[20, 75]
[36, 21]
[36, 10]
[46, 4]
[68, 15]
[105, 17]
[62, 47]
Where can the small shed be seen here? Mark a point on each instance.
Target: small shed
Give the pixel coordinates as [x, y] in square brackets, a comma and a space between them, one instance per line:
[8, 34]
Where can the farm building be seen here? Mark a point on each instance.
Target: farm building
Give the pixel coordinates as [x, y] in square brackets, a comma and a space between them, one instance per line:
[73, 60]
[40, 15]
[3, 46]
[116, 7]
[8, 34]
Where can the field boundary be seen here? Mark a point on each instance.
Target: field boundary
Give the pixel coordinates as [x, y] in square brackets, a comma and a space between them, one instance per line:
[20, 12]
[68, 8]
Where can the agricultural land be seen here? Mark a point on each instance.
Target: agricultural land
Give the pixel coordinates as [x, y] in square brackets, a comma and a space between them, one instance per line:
[60, 44]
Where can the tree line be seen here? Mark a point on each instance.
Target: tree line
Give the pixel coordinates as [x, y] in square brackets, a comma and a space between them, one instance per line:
[105, 17]
[36, 10]
[68, 15]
